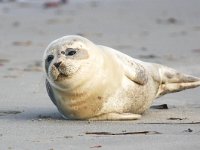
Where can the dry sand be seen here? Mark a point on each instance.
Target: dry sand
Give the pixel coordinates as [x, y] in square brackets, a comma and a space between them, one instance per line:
[161, 31]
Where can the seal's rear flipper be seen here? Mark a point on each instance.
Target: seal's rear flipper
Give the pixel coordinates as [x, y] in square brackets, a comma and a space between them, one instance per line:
[172, 81]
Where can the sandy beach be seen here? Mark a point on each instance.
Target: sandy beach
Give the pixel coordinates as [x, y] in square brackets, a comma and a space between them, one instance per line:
[160, 31]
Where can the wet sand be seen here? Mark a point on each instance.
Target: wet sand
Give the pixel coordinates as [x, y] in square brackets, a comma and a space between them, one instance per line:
[165, 32]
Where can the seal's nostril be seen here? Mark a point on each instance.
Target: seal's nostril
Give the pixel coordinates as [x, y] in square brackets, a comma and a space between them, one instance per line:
[57, 64]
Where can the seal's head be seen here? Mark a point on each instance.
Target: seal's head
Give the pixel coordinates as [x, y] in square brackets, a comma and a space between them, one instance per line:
[67, 59]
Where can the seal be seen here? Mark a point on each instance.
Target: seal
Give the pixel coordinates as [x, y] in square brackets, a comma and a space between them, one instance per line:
[92, 82]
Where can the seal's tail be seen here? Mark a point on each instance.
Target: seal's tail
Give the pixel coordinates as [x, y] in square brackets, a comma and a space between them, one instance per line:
[173, 81]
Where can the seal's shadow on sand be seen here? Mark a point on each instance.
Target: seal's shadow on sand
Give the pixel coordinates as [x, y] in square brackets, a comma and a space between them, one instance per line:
[32, 114]
[46, 113]
[53, 114]
[156, 114]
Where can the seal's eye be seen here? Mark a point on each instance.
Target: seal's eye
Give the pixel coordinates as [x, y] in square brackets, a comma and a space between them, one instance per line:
[50, 58]
[70, 52]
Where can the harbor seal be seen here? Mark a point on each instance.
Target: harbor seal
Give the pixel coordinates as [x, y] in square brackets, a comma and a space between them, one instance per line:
[92, 82]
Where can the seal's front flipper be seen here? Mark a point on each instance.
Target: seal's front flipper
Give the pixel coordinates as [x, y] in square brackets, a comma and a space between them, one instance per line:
[133, 70]
[116, 116]
[173, 81]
